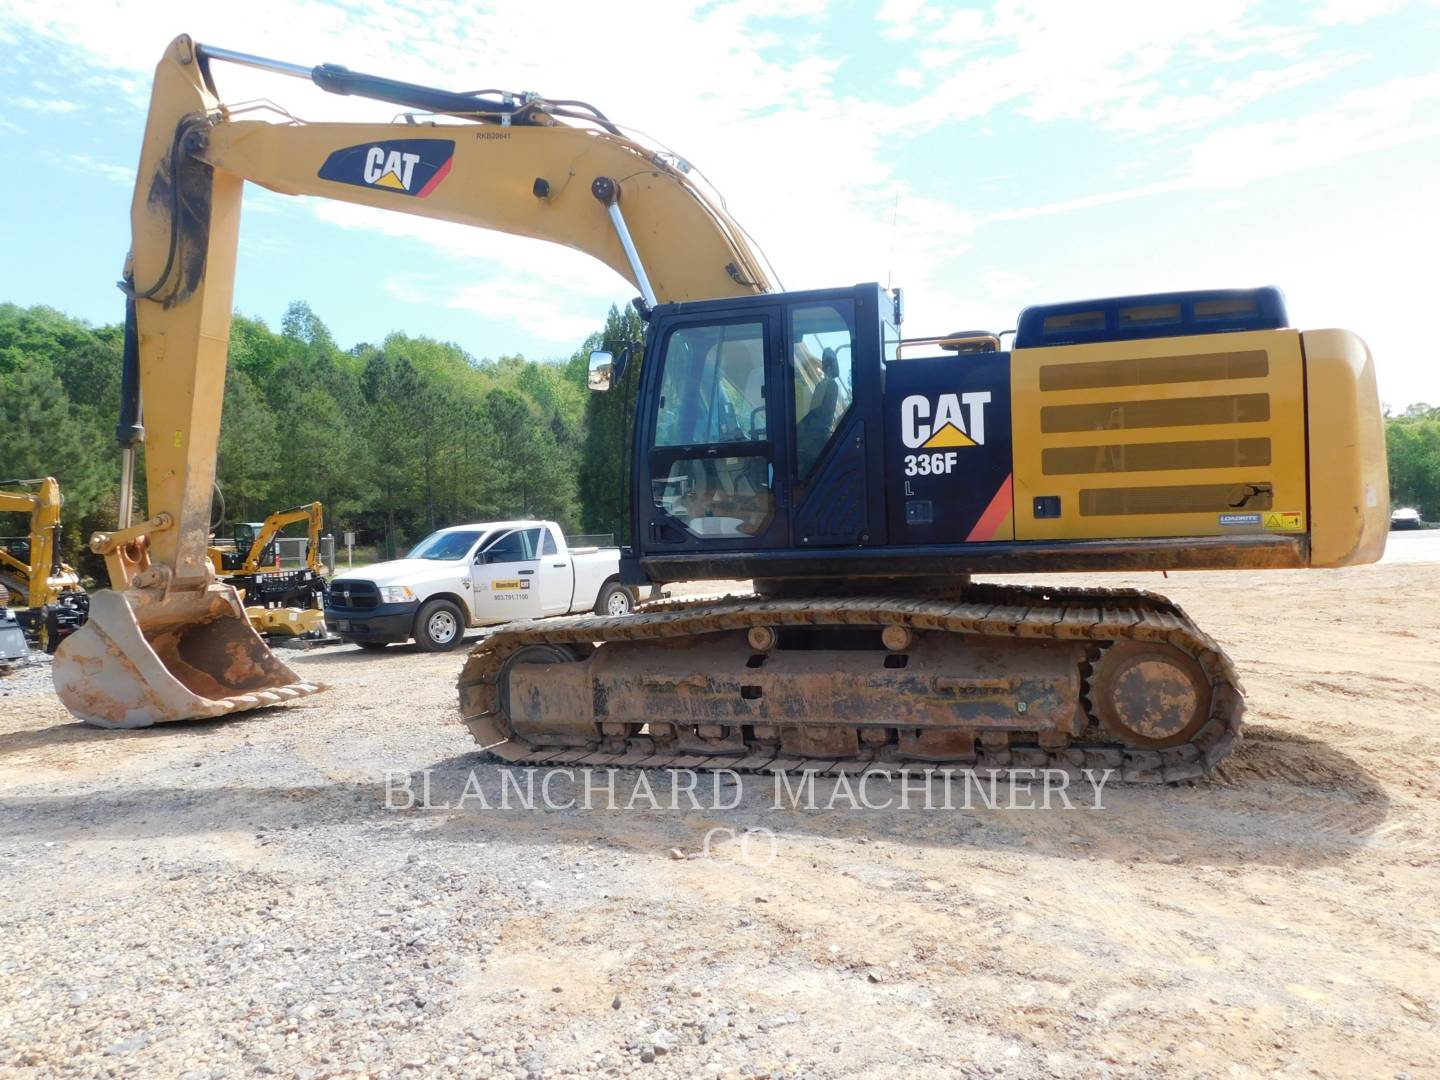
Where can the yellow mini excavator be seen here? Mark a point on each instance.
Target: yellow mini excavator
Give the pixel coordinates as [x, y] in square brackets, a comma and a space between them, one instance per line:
[41, 588]
[279, 602]
[792, 438]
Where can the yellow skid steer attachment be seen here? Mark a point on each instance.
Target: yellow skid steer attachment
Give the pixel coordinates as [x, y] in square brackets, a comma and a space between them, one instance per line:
[286, 622]
[146, 658]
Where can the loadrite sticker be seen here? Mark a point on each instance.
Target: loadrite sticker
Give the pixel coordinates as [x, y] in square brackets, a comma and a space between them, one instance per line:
[404, 166]
[509, 584]
[1239, 519]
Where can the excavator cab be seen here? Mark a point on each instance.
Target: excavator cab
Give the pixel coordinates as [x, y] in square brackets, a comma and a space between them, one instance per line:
[795, 437]
[245, 534]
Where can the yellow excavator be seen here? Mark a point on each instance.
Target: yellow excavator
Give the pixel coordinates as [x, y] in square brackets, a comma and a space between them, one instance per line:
[45, 592]
[279, 602]
[859, 478]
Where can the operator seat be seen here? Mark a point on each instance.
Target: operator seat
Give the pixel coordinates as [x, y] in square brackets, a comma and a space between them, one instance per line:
[815, 426]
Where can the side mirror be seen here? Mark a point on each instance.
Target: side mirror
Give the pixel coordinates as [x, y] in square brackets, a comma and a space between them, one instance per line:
[602, 369]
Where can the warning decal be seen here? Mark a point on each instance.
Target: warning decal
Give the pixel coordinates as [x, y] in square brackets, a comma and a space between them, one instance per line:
[1285, 522]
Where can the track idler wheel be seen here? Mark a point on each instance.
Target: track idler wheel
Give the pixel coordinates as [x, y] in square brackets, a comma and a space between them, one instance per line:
[530, 654]
[1149, 695]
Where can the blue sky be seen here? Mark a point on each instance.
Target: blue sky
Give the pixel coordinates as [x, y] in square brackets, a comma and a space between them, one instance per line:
[983, 156]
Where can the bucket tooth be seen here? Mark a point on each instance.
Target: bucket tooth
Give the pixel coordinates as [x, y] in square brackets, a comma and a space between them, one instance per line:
[146, 657]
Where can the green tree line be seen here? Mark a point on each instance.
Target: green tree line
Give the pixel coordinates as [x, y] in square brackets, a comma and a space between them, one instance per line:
[396, 439]
[1412, 442]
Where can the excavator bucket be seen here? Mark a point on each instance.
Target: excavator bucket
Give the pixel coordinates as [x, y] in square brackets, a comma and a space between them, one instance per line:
[145, 658]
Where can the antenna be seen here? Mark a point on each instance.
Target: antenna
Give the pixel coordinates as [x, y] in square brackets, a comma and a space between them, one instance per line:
[894, 217]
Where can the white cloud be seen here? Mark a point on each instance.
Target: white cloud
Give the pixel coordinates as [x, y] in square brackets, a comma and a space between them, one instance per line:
[567, 319]
[904, 19]
[51, 105]
[1356, 11]
[1225, 97]
[1403, 110]
[1106, 61]
[116, 174]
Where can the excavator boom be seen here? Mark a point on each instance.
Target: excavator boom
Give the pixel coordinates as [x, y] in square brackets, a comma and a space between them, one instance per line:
[171, 643]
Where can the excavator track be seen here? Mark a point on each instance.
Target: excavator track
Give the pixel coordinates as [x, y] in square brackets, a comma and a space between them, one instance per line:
[1103, 679]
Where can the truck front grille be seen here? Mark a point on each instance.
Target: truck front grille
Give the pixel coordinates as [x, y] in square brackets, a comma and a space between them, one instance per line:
[354, 596]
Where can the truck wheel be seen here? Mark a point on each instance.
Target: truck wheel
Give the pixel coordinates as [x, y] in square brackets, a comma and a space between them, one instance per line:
[439, 627]
[614, 599]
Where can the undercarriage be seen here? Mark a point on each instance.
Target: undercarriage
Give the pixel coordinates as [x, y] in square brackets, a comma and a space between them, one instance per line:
[992, 678]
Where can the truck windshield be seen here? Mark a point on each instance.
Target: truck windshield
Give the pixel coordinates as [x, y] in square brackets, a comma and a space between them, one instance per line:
[445, 546]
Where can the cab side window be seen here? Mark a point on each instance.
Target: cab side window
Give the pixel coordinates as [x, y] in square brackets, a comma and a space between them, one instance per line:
[713, 389]
[518, 546]
[549, 546]
[822, 338]
[713, 393]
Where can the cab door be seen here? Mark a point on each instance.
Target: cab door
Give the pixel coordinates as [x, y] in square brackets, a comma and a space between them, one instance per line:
[715, 436]
[557, 575]
[833, 393]
[506, 577]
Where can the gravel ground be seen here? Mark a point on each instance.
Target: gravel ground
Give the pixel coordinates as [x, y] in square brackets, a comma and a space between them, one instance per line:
[232, 899]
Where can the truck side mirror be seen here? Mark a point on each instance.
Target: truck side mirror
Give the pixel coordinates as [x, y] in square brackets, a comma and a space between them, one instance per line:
[602, 368]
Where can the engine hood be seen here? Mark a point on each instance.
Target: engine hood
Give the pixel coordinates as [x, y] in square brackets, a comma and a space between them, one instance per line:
[410, 572]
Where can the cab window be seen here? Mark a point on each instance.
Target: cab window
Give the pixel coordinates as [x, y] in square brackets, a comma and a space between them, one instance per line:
[713, 387]
[822, 339]
[713, 392]
[517, 546]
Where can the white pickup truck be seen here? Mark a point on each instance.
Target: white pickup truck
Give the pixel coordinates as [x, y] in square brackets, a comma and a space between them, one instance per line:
[474, 575]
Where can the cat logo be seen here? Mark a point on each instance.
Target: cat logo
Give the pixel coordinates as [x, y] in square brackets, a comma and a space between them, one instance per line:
[958, 421]
[392, 169]
[405, 166]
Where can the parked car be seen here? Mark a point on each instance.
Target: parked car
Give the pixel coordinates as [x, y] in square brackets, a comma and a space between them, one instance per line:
[1407, 517]
[474, 575]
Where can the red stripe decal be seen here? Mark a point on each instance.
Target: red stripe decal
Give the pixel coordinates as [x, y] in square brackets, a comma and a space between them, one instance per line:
[994, 515]
[434, 182]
